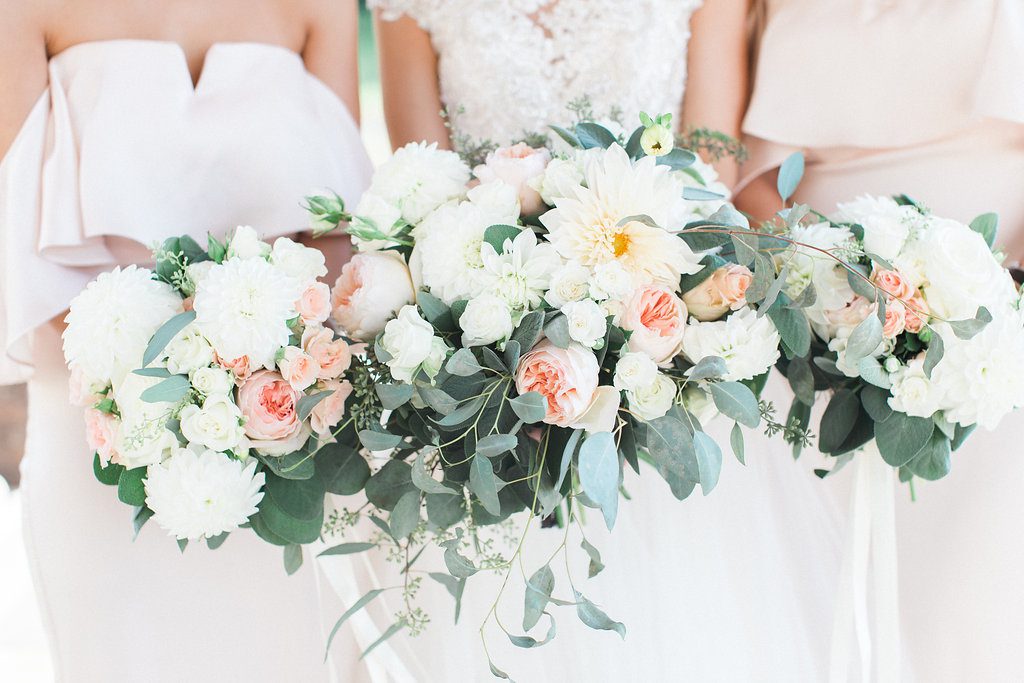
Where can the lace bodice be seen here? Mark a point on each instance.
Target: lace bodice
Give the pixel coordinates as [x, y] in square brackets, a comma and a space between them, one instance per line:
[510, 66]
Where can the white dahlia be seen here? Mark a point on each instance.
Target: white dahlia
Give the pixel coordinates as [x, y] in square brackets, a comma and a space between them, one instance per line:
[201, 495]
[981, 380]
[243, 308]
[112, 320]
[748, 344]
[584, 226]
[522, 273]
[418, 178]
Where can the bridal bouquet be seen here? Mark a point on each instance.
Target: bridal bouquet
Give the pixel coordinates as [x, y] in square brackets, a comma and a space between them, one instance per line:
[209, 385]
[918, 333]
[543, 320]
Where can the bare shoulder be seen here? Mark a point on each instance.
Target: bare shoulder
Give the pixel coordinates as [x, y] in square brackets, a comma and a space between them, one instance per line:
[326, 15]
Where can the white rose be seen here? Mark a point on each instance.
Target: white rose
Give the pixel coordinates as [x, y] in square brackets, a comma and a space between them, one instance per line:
[188, 351]
[246, 244]
[912, 392]
[487, 319]
[497, 199]
[634, 371]
[560, 178]
[611, 281]
[571, 282]
[143, 438]
[654, 400]
[699, 403]
[374, 212]
[197, 272]
[210, 381]
[409, 340]
[305, 264]
[217, 425]
[749, 344]
[887, 225]
[435, 359]
[960, 272]
[372, 287]
[587, 324]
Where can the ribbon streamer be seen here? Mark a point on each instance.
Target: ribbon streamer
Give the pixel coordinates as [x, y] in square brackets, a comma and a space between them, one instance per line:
[871, 541]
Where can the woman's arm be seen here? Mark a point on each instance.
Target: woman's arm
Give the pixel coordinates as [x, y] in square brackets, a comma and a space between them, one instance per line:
[331, 52]
[718, 73]
[23, 60]
[408, 74]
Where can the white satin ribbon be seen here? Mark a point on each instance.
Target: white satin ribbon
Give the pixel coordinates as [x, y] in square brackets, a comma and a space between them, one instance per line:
[871, 542]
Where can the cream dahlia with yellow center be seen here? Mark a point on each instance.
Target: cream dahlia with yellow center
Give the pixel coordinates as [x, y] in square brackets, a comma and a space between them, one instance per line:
[590, 225]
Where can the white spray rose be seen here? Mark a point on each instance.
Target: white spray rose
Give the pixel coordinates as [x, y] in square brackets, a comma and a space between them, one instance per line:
[912, 391]
[303, 263]
[217, 425]
[245, 244]
[487, 319]
[699, 403]
[634, 371]
[188, 351]
[587, 324]
[409, 340]
[611, 281]
[210, 381]
[654, 400]
[571, 282]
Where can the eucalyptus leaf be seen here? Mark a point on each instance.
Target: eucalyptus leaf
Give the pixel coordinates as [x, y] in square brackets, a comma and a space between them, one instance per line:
[162, 373]
[426, 483]
[736, 441]
[455, 588]
[699, 194]
[709, 461]
[793, 327]
[342, 469]
[458, 566]
[596, 566]
[838, 421]
[986, 225]
[902, 437]
[876, 403]
[433, 308]
[437, 399]
[484, 484]
[764, 278]
[130, 489]
[569, 138]
[163, 336]
[378, 441]
[406, 515]
[212, 542]
[872, 372]
[496, 236]
[511, 356]
[567, 454]
[677, 159]
[856, 277]
[933, 461]
[170, 390]
[444, 510]
[530, 407]
[591, 615]
[864, 340]
[936, 349]
[529, 330]
[557, 330]
[392, 630]
[292, 558]
[385, 488]
[307, 403]
[538, 592]
[791, 172]
[599, 472]
[496, 444]
[396, 395]
[736, 401]
[728, 215]
[593, 135]
[529, 641]
[347, 549]
[801, 380]
[967, 329]
[463, 363]
[745, 246]
[463, 412]
[708, 367]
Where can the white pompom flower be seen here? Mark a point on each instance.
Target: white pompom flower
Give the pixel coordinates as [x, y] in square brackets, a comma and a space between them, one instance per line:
[748, 344]
[112, 320]
[418, 178]
[243, 308]
[202, 495]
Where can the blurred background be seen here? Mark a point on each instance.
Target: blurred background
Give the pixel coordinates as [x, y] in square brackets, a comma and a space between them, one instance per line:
[23, 649]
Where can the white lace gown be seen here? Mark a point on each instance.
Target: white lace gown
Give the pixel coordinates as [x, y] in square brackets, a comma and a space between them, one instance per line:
[710, 589]
[119, 152]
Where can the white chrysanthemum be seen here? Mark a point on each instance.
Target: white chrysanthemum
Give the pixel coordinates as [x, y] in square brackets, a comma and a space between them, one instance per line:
[808, 266]
[202, 495]
[243, 308]
[447, 257]
[112, 320]
[521, 274]
[887, 225]
[585, 225]
[418, 178]
[981, 380]
[748, 344]
[702, 176]
[960, 271]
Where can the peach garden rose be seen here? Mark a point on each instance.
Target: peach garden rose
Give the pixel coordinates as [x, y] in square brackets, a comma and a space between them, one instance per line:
[517, 166]
[568, 381]
[657, 319]
[269, 405]
[725, 290]
[372, 287]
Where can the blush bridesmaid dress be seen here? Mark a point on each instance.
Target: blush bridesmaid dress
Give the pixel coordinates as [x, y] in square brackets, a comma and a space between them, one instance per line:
[923, 97]
[121, 151]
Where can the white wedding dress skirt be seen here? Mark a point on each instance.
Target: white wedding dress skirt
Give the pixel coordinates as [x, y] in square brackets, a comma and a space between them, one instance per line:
[119, 153]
